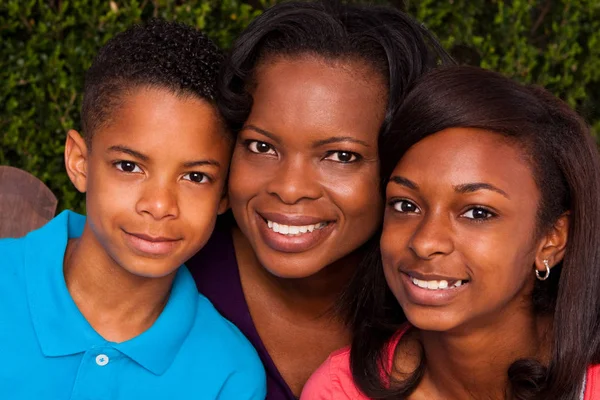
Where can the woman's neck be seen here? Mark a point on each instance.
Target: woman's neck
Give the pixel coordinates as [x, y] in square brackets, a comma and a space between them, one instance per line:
[473, 362]
[117, 304]
[309, 297]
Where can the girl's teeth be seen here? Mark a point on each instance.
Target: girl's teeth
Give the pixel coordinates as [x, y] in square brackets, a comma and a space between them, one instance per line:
[293, 229]
[435, 285]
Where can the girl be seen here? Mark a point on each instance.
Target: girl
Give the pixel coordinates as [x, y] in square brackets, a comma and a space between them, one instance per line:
[490, 249]
[307, 89]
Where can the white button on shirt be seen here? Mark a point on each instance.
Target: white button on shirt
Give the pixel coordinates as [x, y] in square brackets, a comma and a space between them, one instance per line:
[102, 360]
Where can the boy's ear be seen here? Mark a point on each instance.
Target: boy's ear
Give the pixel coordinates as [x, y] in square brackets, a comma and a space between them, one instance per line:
[76, 159]
[223, 203]
[554, 243]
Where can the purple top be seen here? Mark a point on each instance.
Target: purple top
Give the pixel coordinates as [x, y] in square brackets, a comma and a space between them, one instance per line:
[215, 270]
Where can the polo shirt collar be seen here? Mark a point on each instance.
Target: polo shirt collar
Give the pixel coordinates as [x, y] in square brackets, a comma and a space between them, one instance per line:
[60, 327]
[156, 348]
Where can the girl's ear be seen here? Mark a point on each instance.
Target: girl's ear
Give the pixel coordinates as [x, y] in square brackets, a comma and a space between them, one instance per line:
[554, 243]
[76, 160]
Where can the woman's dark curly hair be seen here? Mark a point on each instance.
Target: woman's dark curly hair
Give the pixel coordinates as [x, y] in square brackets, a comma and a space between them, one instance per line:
[168, 55]
[386, 39]
[564, 161]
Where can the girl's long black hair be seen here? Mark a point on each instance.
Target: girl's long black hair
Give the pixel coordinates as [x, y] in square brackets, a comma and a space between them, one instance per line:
[566, 167]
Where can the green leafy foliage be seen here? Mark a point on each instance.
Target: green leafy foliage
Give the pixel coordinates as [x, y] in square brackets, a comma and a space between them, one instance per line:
[46, 45]
[45, 49]
[551, 43]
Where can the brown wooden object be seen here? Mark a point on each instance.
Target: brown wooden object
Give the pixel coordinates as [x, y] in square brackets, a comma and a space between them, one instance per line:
[26, 203]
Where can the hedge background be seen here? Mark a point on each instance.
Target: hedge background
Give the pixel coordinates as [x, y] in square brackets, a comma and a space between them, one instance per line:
[46, 45]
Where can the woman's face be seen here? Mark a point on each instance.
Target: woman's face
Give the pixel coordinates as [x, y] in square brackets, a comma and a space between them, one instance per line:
[304, 175]
[459, 238]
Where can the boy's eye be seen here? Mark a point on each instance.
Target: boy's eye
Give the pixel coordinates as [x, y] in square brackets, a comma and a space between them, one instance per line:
[478, 213]
[196, 177]
[127, 166]
[405, 206]
[342, 156]
[260, 147]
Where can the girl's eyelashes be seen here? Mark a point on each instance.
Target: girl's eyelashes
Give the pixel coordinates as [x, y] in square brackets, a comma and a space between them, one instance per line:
[127, 166]
[341, 156]
[258, 147]
[404, 206]
[479, 213]
[197, 177]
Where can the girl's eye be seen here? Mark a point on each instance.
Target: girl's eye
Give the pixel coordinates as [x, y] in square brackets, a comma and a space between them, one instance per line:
[478, 213]
[405, 206]
[342, 156]
[260, 147]
[196, 177]
[128, 166]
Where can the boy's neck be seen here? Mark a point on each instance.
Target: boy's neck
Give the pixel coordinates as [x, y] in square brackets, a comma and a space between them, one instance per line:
[474, 364]
[117, 304]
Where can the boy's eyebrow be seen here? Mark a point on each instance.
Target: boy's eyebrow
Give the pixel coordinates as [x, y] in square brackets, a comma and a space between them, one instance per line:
[339, 139]
[473, 187]
[138, 155]
[261, 131]
[127, 150]
[400, 180]
[200, 163]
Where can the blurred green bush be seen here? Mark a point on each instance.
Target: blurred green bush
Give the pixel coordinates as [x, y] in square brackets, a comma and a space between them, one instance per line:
[46, 45]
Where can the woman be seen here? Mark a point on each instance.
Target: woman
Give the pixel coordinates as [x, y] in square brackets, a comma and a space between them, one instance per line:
[490, 251]
[307, 89]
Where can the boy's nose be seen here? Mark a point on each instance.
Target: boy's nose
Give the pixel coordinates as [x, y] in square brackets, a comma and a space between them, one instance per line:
[159, 202]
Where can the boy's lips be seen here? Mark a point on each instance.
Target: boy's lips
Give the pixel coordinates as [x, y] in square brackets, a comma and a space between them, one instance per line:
[150, 245]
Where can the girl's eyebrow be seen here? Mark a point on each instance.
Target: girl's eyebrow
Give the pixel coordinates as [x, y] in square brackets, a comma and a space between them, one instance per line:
[400, 180]
[475, 186]
[464, 188]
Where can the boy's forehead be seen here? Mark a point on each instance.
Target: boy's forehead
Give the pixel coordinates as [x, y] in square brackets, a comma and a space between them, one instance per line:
[164, 123]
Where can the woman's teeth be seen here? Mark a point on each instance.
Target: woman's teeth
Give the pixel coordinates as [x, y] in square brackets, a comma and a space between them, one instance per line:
[293, 229]
[436, 285]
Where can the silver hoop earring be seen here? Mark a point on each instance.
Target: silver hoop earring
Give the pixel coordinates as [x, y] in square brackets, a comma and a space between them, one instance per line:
[546, 275]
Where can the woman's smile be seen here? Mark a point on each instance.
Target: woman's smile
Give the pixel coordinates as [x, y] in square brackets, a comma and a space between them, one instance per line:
[293, 233]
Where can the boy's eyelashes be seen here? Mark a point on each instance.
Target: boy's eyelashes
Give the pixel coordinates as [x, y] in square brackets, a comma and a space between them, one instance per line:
[475, 213]
[133, 168]
[127, 166]
[339, 156]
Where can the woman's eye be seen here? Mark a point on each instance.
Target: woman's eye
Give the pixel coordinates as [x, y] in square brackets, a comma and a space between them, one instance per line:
[478, 213]
[405, 206]
[342, 156]
[196, 177]
[128, 166]
[260, 147]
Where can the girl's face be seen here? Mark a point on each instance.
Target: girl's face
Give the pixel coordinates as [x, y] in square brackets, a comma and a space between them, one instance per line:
[459, 241]
[304, 176]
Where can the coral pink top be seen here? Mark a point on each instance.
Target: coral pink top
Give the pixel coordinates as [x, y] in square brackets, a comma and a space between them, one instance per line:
[333, 380]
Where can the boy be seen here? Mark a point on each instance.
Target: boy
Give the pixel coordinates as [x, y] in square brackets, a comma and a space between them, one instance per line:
[99, 308]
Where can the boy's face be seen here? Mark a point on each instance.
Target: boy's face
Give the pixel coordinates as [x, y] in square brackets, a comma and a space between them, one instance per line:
[154, 180]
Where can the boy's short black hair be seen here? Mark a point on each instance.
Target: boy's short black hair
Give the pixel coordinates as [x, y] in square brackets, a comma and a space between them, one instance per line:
[161, 54]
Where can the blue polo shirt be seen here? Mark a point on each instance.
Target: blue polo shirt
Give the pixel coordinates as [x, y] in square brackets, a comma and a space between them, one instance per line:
[49, 351]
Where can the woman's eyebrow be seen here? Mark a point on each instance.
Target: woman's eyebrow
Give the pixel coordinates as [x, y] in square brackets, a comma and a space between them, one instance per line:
[475, 186]
[339, 139]
[256, 129]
